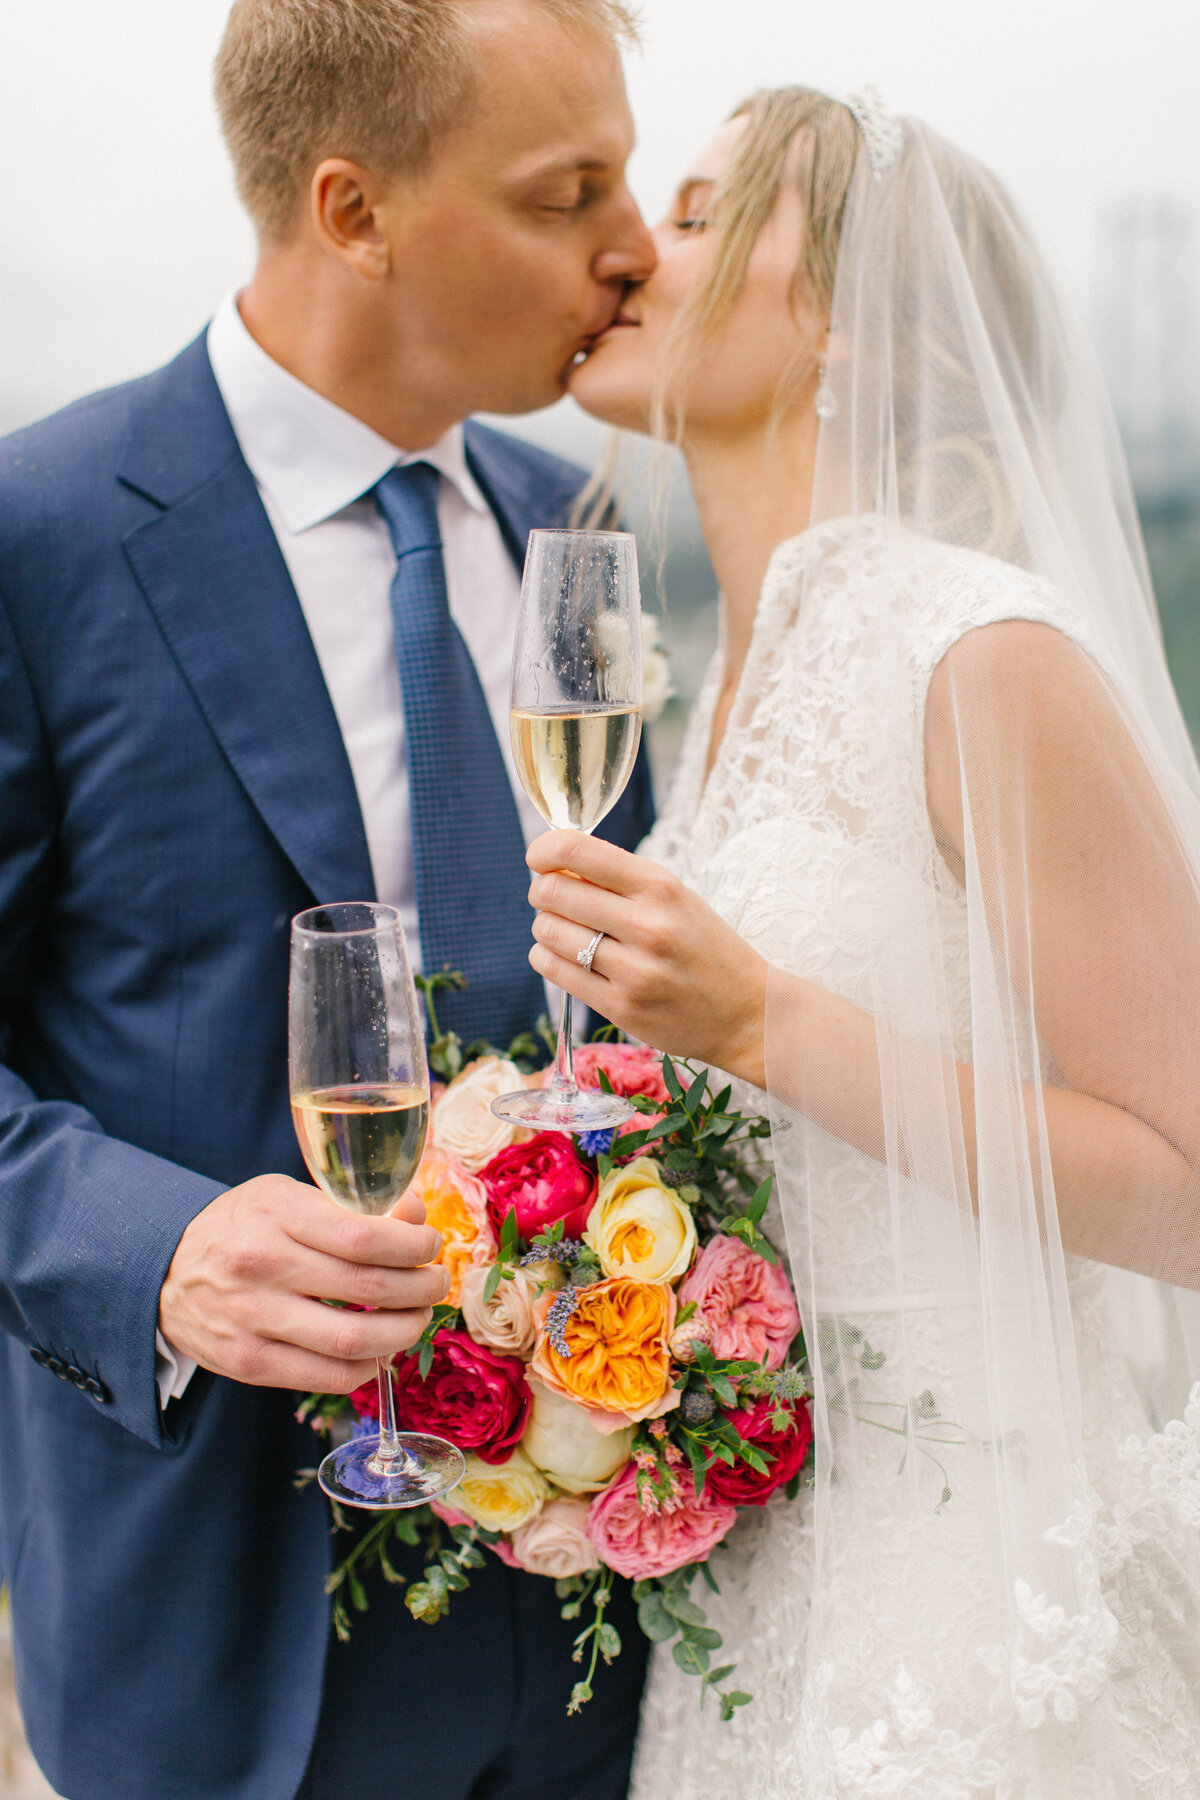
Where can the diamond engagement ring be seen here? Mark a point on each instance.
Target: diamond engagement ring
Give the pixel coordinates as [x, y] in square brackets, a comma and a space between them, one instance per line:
[584, 957]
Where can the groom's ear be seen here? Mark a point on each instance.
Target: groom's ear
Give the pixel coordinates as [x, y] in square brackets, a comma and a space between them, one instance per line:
[344, 202]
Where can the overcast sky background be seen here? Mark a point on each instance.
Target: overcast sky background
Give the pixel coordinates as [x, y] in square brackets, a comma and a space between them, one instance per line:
[119, 229]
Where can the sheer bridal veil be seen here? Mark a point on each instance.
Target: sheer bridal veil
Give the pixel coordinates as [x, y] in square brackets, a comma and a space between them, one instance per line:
[997, 1261]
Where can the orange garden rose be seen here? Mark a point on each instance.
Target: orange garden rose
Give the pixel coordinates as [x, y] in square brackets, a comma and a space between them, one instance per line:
[456, 1205]
[619, 1367]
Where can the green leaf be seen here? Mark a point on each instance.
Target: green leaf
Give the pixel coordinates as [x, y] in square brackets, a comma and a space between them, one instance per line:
[721, 1674]
[691, 1658]
[656, 1622]
[674, 1086]
[609, 1639]
[606, 1086]
[709, 1577]
[492, 1282]
[685, 1610]
[510, 1241]
[358, 1592]
[704, 1638]
[695, 1094]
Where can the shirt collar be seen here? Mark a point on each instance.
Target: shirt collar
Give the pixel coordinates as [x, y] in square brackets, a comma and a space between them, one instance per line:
[312, 458]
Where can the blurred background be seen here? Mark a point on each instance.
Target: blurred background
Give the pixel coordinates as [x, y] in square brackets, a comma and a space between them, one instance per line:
[120, 231]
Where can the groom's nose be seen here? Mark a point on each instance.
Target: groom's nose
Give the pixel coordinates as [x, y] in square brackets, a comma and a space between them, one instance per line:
[629, 252]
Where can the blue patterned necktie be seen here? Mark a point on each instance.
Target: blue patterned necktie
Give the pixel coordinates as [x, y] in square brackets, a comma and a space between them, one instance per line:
[468, 846]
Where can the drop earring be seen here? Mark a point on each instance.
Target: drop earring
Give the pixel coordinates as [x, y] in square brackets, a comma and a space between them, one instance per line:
[826, 401]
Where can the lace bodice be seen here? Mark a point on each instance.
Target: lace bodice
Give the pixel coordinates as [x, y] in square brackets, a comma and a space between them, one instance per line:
[819, 783]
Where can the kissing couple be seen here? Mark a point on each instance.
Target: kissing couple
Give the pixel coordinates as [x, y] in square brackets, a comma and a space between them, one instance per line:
[926, 887]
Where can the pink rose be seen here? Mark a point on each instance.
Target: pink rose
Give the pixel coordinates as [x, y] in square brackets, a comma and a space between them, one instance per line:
[544, 1182]
[631, 1068]
[747, 1301]
[641, 1544]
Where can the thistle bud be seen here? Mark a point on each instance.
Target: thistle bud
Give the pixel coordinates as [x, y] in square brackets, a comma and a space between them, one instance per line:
[697, 1407]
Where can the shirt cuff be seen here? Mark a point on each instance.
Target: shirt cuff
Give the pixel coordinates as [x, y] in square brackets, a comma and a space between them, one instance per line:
[172, 1371]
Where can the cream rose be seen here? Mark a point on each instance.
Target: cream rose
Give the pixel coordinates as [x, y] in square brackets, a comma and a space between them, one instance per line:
[505, 1322]
[638, 1227]
[464, 1125]
[562, 1441]
[556, 1543]
[501, 1496]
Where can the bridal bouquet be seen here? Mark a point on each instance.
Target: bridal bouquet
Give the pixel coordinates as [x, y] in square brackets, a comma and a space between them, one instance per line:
[618, 1358]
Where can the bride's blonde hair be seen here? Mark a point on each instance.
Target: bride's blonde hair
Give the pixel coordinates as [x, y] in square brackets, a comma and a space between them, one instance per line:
[794, 134]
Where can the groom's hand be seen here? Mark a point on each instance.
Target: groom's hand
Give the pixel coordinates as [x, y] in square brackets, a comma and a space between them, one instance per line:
[244, 1290]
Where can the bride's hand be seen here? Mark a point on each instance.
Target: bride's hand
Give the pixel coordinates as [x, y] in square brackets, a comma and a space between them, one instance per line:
[669, 970]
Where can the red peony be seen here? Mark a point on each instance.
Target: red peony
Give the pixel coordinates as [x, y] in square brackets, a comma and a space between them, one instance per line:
[631, 1069]
[544, 1181]
[740, 1485]
[473, 1396]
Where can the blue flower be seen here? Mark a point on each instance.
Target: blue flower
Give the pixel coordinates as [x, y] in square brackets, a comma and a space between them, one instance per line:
[597, 1143]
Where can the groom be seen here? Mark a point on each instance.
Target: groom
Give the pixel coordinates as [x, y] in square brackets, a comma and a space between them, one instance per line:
[256, 617]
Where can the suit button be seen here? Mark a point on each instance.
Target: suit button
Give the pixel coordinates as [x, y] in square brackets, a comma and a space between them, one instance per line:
[57, 1368]
[39, 1356]
[78, 1377]
[97, 1390]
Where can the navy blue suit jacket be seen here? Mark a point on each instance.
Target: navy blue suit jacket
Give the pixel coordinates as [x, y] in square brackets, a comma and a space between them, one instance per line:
[173, 788]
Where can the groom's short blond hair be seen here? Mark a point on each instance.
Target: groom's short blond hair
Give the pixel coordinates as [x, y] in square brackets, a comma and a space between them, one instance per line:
[377, 81]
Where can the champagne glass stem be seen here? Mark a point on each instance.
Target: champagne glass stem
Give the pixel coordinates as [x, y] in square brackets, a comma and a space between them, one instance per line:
[562, 1081]
[391, 1457]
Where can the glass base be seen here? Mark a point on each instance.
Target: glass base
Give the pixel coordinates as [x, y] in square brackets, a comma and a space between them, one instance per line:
[541, 1109]
[430, 1469]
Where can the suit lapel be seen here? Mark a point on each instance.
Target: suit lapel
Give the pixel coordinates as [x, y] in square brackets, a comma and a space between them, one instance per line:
[215, 579]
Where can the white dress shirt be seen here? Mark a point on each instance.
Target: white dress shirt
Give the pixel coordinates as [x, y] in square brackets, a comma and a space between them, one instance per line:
[315, 466]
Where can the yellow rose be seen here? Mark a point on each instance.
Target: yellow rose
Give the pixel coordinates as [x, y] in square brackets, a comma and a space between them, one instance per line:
[638, 1227]
[463, 1123]
[564, 1443]
[501, 1496]
[619, 1367]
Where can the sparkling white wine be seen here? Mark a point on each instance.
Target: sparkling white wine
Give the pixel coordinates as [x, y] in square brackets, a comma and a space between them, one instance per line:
[362, 1143]
[574, 762]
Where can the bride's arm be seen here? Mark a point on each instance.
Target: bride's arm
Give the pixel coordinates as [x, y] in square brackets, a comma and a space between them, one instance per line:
[1076, 833]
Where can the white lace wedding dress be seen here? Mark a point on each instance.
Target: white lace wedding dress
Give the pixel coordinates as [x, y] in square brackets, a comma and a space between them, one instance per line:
[823, 676]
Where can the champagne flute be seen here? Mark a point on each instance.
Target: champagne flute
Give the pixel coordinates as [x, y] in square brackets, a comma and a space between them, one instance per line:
[576, 723]
[360, 1104]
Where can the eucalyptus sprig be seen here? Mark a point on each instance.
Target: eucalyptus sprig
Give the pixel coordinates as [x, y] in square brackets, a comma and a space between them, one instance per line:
[345, 1580]
[446, 1057]
[605, 1639]
[666, 1610]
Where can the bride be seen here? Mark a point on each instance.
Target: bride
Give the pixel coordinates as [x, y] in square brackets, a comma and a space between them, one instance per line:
[928, 876]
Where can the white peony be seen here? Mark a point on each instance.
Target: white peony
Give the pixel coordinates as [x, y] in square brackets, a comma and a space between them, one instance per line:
[562, 1441]
[464, 1125]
